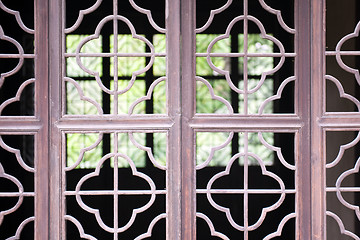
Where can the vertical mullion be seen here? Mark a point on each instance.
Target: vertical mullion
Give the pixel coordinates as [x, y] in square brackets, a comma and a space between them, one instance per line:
[116, 186]
[188, 101]
[116, 59]
[303, 154]
[41, 112]
[56, 67]
[245, 64]
[246, 186]
[317, 109]
[173, 173]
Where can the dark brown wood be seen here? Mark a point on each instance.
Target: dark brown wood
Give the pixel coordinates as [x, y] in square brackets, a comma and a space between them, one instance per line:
[303, 108]
[42, 112]
[174, 221]
[318, 196]
[56, 69]
[308, 123]
[188, 89]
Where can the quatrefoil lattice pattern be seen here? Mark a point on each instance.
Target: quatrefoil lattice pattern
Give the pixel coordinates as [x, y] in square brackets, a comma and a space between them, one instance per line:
[343, 170]
[17, 83]
[245, 179]
[133, 60]
[17, 192]
[179, 119]
[16, 57]
[125, 181]
[249, 70]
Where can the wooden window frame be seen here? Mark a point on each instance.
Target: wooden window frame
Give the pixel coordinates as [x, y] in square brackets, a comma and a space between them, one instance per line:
[310, 121]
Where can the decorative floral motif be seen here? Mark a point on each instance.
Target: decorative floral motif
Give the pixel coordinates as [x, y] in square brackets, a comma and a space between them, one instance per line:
[227, 210]
[17, 155]
[96, 35]
[213, 150]
[281, 226]
[338, 188]
[96, 173]
[278, 94]
[214, 97]
[18, 95]
[148, 95]
[21, 227]
[279, 16]
[342, 151]
[245, 54]
[339, 54]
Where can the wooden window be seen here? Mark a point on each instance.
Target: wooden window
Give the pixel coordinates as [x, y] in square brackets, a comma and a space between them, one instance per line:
[127, 119]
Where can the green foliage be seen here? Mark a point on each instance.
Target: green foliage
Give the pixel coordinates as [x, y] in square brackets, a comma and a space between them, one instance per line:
[159, 98]
[160, 62]
[204, 102]
[207, 140]
[91, 63]
[159, 149]
[76, 106]
[127, 65]
[126, 99]
[125, 146]
[202, 43]
[78, 141]
[256, 66]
